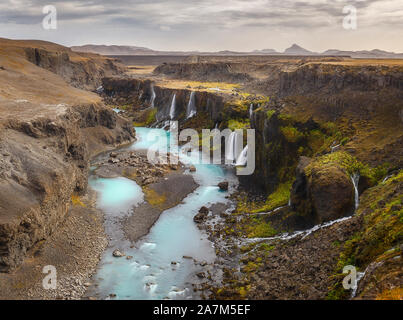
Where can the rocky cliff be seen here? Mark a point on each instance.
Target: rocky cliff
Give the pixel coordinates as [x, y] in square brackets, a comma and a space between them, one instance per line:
[48, 132]
[81, 70]
[219, 71]
[318, 107]
[138, 94]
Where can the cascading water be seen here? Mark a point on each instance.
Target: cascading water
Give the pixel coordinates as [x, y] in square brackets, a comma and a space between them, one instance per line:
[355, 178]
[232, 151]
[153, 96]
[243, 158]
[251, 110]
[191, 108]
[229, 152]
[173, 107]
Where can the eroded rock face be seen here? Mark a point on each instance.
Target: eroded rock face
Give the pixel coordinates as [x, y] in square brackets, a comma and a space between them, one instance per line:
[43, 162]
[139, 94]
[326, 194]
[86, 72]
[333, 79]
[218, 71]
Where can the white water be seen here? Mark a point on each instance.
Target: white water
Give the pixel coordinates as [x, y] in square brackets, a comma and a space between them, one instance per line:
[191, 110]
[251, 110]
[305, 233]
[243, 157]
[360, 275]
[355, 178]
[153, 96]
[269, 212]
[150, 274]
[231, 151]
[173, 107]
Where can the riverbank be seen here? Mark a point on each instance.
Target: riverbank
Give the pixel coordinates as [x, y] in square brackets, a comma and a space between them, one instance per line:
[164, 186]
[74, 250]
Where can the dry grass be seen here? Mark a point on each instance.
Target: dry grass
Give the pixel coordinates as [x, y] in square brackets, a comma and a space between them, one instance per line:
[367, 62]
[141, 70]
[219, 87]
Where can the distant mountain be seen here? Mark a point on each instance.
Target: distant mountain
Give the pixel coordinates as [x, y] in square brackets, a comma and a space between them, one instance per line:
[115, 50]
[297, 50]
[265, 51]
[376, 53]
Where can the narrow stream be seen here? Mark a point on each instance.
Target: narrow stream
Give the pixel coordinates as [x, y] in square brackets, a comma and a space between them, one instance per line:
[160, 268]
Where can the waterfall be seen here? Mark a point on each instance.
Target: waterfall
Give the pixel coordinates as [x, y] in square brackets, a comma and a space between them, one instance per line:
[232, 151]
[355, 178]
[360, 275]
[153, 96]
[172, 109]
[243, 158]
[288, 236]
[229, 151]
[334, 147]
[191, 109]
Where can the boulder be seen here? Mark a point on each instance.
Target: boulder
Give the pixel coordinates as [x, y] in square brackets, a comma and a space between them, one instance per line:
[326, 194]
[192, 168]
[200, 217]
[118, 254]
[204, 210]
[223, 186]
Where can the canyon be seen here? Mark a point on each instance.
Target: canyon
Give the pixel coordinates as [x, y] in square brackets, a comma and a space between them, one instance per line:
[326, 192]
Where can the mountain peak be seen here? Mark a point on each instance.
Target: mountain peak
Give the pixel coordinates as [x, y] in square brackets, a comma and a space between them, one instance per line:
[296, 49]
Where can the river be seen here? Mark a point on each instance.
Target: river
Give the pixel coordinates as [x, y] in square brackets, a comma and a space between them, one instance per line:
[160, 268]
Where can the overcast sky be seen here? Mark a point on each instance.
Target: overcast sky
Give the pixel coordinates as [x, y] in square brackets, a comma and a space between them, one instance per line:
[209, 25]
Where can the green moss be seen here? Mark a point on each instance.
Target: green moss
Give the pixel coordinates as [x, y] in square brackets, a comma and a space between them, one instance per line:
[145, 118]
[291, 134]
[279, 197]
[337, 291]
[259, 228]
[381, 232]
[234, 124]
[270, 113]
[151, 116]
[348, 163]
[285, 117]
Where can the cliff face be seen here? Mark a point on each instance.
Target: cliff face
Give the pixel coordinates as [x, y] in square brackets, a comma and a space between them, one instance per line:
[81, 70]
[323, 105]
[43, 163]
[219, 71]
[48, 132]
[332, 79]
[138, 93]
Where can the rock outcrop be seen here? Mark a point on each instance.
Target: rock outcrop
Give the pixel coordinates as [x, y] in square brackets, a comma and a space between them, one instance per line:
[43, 163]
[219, 71]
[138, 93]
[325, 194]
[48, 133]
[81, 70]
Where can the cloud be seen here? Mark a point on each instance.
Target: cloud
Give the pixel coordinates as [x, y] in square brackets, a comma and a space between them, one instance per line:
[208, 16]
